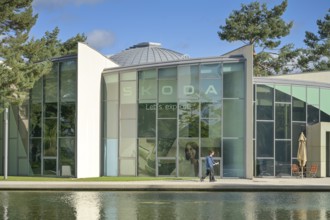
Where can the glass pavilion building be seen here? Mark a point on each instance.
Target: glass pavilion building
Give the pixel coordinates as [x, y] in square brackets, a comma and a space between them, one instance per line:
[150, 111]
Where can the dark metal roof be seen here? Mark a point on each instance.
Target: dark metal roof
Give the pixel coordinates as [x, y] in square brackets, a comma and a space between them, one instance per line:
[146, 52]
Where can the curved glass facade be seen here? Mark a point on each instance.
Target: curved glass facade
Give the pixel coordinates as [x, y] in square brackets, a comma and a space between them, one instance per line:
[163, 120]
[282, 112]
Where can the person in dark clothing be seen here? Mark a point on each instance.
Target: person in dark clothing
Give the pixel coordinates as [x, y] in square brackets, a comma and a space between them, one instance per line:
[209, 167]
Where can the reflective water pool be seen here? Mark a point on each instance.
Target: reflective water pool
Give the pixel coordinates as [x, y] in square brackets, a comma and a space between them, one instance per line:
[163, 205]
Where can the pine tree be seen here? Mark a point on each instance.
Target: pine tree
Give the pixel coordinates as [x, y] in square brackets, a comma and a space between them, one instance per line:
[255, 24]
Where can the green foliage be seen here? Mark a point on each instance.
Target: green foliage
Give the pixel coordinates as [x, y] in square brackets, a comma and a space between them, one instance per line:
[22, 60]
[255, 24]
[316, 56]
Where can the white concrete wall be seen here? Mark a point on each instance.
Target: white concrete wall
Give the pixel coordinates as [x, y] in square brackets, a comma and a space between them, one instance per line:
[318, 77]
[90, 66]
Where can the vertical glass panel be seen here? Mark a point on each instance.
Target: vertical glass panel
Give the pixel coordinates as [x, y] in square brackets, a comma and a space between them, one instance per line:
[131, 75]
[147, 119]
[208, 144]
[111, 126]
[50, 137]
[50, 167]
[210, 128]
[210, 90]
[111, 86]
[36, 91]
[128, 111]
[167, 110]
[283, 158]
[297, 128]
[166, 167]
[68, 80]
[211, 71]
[283, 121]
[189, 119]
[167, 91]
[211, 110]
[188, 157]
[233, 80]
[188, 82]
[127, 167]
[146, 157]
[282, 93]
[127, 147]
[167, 73]
[312, 114]
[50, 85]
[265, 139]
[265, 102]
[51, 110]
[233, 118]
[68, 119]
[35, 120]
[35, 156]
[299, 92]
[128, 92]
[325, 105]
[265, 167]
[67, 153]
[111, 157]
[233, 158]
[313, 96]
[148, 84]
[167, 129]
[298, 110]
[128, 128]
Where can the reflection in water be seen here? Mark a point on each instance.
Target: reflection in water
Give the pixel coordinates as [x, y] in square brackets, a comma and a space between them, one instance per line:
[163, 205]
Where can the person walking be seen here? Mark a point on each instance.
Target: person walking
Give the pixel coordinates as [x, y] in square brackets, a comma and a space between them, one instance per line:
[209, 167]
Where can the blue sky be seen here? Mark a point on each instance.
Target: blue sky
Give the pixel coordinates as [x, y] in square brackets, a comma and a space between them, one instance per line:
[186, 26]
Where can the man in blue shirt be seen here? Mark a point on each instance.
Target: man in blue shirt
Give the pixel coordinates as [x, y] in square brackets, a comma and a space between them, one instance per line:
[209, 167]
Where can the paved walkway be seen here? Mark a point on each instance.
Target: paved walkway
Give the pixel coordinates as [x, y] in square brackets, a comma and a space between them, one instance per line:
[255, 184]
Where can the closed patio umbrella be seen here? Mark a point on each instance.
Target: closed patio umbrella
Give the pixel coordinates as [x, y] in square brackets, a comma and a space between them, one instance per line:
[302, 154]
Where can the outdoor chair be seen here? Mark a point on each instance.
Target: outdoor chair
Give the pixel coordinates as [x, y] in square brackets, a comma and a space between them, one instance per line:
[295, 170]
[313, 170]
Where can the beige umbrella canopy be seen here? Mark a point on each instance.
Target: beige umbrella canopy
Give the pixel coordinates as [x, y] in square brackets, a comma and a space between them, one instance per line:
[302, 154]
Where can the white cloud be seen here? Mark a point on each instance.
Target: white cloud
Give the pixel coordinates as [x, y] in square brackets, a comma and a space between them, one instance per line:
[99, 39]
[51, 4]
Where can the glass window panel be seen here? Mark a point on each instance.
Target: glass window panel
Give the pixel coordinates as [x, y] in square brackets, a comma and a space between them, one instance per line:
[167, 110]
[297, 128]
[148, 89]
[299, 92]
[50, 137]
[35, 120]
[35, 156]
[312, 114]
[111, 86]
[325, 105]
[68, 119]
[265, 167]
[188, 157]
[265, 139]
[147, 120]
[233, 80]
[111, 157]
[36, 91]
[282, 93]
[283, 121]
[50, 167]
[128, 111]
[283, 158]
[166, 147]
[128, 128]
[211, 71]
[167, 128]
[128, 92]
[188, 82]
[233, 158]
[131, 75]
[67, 153]
[298, 110]
[150, 74]
[313, 96]
[233, 118]
[166, 167]
[265, 102]
[51, 110]
[167, 73]
[167, 91]
[50, 85]
[189, 119]
[127, 147]
[208, 144]
[111, 119]
[211, 128]
[211, 110]
[68, 80]
[146, 157]
[210, 90]
[127, 167]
